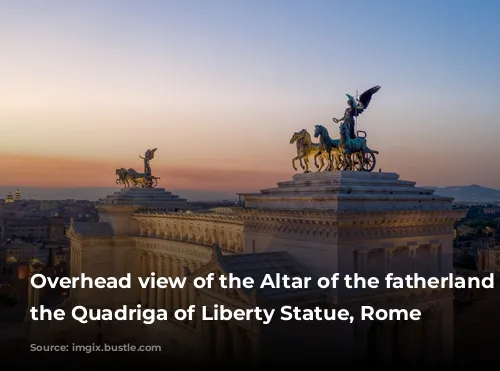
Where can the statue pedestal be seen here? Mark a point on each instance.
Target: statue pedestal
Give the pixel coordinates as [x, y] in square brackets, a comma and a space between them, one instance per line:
[117, 209]
[366, 223]
[330, 221]
[345, 191]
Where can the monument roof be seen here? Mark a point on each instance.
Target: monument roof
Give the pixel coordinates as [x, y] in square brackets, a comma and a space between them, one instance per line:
[141, 198]
[347, 191]
[256, 266]
[90, 229]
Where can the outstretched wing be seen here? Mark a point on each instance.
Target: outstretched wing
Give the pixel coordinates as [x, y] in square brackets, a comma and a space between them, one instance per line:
[365, 99]
[152, 153]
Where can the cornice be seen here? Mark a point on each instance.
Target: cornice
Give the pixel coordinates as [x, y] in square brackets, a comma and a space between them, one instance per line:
[247, 212]
[328, 217]
[361, 219]
[193, 217]
[183, 249]
[320, 232]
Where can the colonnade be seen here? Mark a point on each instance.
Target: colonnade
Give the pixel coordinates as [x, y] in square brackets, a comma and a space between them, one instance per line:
[399, 260]
[168, 298]
[408, 341]
[227, 342]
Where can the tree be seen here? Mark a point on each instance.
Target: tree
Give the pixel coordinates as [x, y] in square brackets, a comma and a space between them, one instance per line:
[467, 261]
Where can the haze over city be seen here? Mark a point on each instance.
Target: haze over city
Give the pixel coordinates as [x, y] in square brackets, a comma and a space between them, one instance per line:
[219, 88]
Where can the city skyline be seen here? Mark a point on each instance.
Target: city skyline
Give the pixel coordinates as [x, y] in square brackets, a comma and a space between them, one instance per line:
[220, 88]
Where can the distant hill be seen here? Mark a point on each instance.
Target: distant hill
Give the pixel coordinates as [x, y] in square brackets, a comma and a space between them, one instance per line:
[472, 193]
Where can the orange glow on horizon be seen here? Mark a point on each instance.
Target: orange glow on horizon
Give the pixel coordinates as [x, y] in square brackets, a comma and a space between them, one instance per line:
[53, 172]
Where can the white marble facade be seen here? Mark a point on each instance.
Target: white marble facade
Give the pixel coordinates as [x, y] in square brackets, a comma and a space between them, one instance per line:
[346, 222]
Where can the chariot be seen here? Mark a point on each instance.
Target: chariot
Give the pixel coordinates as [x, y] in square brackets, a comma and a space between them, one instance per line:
[151, 181]
[129, 178]
[350, 152]
[361, 161]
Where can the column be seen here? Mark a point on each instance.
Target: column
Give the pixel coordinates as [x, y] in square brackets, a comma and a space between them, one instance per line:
[144, 268]
[238, 344]
[168, 291]
[362, 260]
[409, 341]
[160, 298]
[447, 331]
[152, 291]
[36, 294]
[76, 290]
[389, 254]
[192, 291]
[36, 299]
[31, 298]
[176, 291]
[436, 271]
[71, 271]
[385, 339]
[71, 264]
[185, 289]
[361, 338]
[412, 251]
[221, 342]
[206, 339]
[432, 336]
[75, 262]
[255, 348]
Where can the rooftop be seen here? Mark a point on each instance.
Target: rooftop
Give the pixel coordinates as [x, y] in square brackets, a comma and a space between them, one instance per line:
[90, 229]
[258, 265]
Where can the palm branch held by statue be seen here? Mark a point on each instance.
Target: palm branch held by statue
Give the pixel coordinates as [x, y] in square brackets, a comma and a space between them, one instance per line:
[355, 108]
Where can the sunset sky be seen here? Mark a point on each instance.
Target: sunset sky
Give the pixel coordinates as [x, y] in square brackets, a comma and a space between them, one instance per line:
[219, 87]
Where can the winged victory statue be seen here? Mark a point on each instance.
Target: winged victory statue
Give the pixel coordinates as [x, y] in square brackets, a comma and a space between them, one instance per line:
[131, 178]
[355, 108]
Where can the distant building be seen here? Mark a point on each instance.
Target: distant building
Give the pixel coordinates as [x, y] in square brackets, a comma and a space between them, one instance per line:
[17, 197]
[489, 260]
[24, 252]
[49, 204]
[9, 199]
[491, 210]
[58, 254]
[34, 229]
[462, 230]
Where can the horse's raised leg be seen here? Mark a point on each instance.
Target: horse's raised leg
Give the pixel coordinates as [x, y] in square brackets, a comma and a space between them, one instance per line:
[293, 162]
[339, 161]
[336, 159]
[347, 161]
[330, 161]
[322, 163]
[306, 162]
[316, 160]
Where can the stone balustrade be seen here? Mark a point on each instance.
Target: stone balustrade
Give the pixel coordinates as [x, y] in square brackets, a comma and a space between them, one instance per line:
[196, 228]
